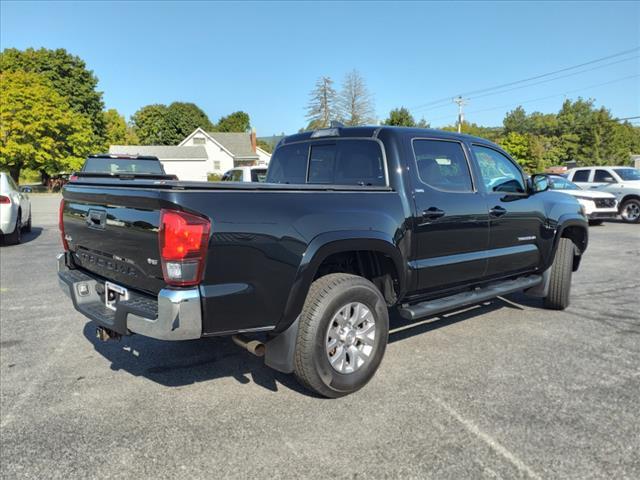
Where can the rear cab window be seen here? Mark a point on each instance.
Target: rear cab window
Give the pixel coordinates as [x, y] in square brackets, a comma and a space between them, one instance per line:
[122, 165]
[358, 162]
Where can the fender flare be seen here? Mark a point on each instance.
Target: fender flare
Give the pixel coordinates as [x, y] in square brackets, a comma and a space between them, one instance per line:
[570, 220]
[329, 243]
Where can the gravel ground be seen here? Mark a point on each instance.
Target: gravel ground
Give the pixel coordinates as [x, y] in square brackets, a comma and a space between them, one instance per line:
[502, 390]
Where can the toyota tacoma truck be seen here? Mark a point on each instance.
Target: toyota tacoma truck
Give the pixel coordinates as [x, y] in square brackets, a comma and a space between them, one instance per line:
[304, 268]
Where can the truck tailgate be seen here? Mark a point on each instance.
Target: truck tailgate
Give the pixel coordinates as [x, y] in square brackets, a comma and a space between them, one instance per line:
[113, 233]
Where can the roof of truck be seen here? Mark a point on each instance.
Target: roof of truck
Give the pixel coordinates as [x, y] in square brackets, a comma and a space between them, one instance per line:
[374, 131]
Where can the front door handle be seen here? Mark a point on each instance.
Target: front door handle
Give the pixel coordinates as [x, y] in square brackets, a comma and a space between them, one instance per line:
[432, 213]
[497, 211]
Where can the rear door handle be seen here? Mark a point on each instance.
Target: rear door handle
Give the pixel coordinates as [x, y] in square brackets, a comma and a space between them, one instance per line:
[432, 213]
[497, 211]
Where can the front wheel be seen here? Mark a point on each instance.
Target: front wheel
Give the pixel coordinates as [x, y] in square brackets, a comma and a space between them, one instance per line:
[342, 335]
[560, 280]
[630, 210]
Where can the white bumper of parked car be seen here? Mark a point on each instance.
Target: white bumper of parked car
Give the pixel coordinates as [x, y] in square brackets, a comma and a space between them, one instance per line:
[593, 212]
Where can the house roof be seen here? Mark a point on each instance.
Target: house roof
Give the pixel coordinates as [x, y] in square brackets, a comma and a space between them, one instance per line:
[169, 152]
[239, 144]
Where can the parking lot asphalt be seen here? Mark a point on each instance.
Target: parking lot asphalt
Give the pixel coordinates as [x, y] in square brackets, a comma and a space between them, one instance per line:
[502, 390]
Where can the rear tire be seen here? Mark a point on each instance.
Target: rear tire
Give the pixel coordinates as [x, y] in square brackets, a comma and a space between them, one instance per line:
[15, 237]
[630, 211]
[560, 278]
[595, 223]
[342, 335]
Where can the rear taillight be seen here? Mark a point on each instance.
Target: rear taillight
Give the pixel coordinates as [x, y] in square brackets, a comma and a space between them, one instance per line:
[73, 178]
[4, 200]
[183, 246]
[61, 226]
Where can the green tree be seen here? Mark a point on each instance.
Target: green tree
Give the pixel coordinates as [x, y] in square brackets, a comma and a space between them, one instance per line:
[266, 146]
[161, 125]
[151, 125]
[68, 75]
[400, 117]
[234, 122]
[38, 128]
[322, 106]
[118, 132]
[184, 118]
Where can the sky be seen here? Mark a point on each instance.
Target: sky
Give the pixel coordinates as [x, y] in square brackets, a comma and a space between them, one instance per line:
[265, 57]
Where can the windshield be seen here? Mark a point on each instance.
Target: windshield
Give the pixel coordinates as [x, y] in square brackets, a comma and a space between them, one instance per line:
[628, 173]
[117, 166]
[559, 183]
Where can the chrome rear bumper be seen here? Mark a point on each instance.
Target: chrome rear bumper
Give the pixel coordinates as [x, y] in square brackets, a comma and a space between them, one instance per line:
[172, 315]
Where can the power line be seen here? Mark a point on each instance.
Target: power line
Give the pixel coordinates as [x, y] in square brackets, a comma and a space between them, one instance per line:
[535, 77]
[540, 82]
[546, 97]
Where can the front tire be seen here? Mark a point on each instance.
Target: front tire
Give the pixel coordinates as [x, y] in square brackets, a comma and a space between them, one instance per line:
[342, 335]
[630, 211]
[560, 280]
[595, 223]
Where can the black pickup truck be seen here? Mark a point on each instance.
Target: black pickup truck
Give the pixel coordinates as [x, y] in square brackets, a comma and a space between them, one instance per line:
[304, 268]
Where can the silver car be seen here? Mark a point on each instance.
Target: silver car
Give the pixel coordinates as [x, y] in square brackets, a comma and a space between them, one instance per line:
[15, 210]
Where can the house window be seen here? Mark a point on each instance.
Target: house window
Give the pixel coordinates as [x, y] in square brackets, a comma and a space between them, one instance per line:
[198, 140]
[216, 165]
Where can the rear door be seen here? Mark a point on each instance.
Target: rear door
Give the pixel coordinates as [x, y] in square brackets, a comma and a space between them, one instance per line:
[451, 225]
[516, 219]
[581, 177]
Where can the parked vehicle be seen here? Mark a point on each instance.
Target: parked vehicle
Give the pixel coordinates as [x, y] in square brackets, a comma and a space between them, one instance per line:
[351, 222]
[123, 166]
[623, 182]
[598, 205]
[245, 174]
[15, 210]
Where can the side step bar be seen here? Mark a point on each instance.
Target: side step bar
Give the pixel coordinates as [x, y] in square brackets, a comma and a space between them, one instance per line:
[472, 297]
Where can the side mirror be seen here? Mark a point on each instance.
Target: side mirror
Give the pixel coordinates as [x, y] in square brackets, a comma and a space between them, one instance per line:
[609, 180]
[539, 183]
[25, 189]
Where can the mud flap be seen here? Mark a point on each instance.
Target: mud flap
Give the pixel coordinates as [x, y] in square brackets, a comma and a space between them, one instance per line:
[279, 350]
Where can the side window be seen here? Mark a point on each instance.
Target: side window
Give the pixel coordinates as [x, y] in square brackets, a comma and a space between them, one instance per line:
[602, 176]
[289, 164]
[442, 165]
[236, 175]
[581, 176]
[499, 174]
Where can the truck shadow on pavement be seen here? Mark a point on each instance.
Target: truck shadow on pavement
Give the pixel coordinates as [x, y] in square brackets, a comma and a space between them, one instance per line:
[176, 364]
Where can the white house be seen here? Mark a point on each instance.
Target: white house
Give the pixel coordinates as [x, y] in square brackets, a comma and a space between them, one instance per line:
[228, 149]
[188, 163]
[202, 153]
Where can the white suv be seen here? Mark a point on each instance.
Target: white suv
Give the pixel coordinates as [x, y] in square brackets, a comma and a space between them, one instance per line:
[623, 182]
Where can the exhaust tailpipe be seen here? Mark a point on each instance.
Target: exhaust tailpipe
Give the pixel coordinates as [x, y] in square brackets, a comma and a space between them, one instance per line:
[253, 346]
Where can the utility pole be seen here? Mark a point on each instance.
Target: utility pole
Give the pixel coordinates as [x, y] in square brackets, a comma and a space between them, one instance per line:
[461, 102]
